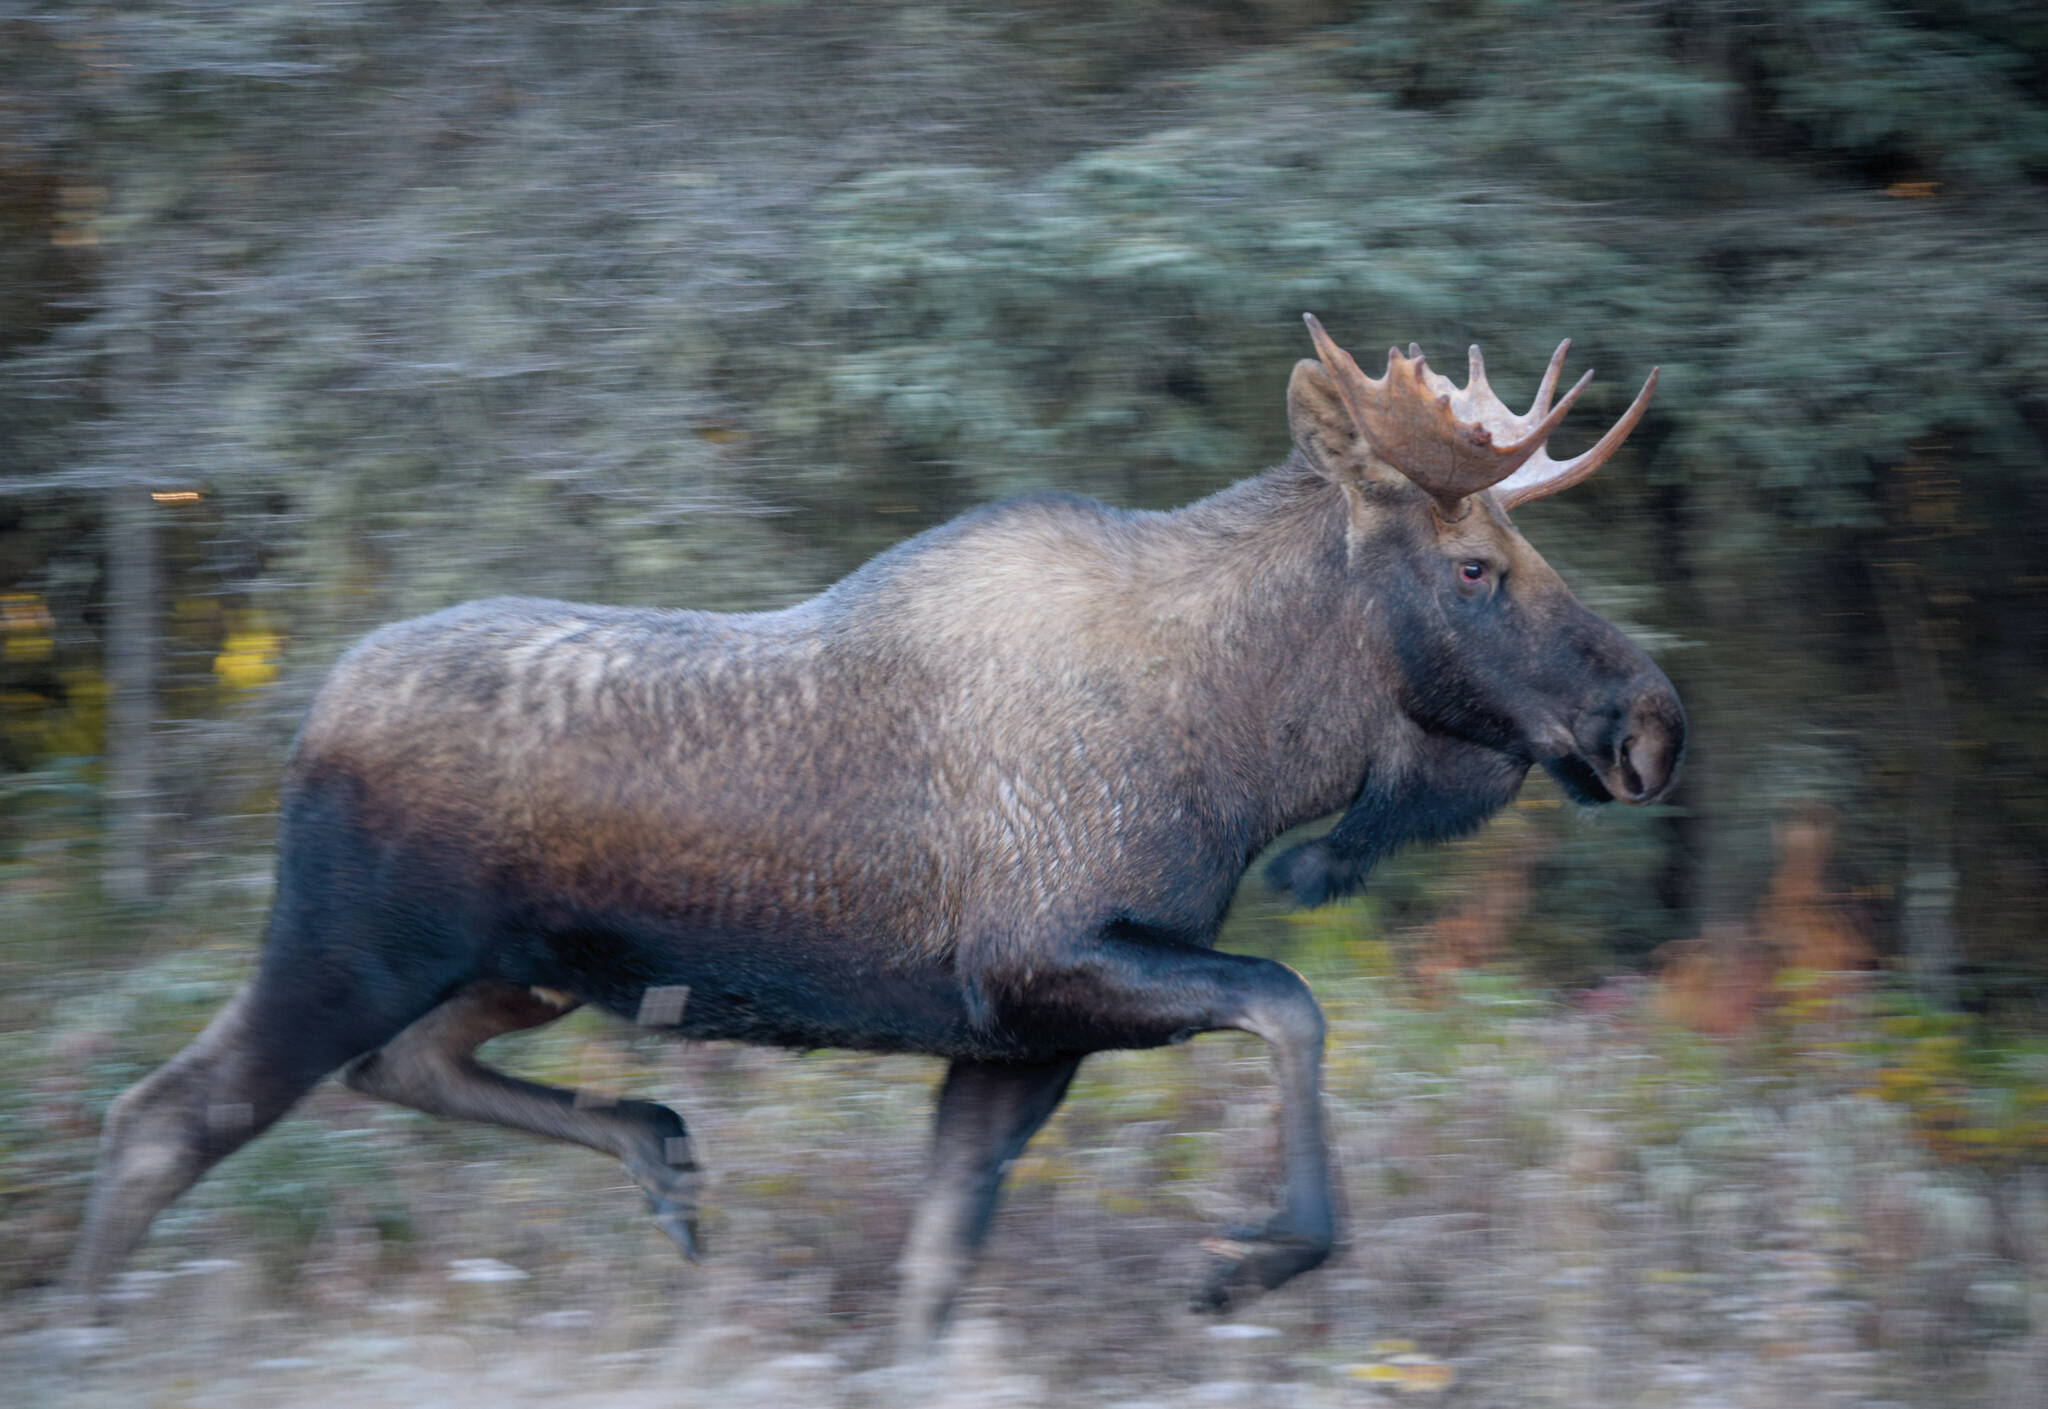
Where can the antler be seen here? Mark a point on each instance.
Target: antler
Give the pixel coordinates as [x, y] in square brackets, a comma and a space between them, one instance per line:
[1455, 443]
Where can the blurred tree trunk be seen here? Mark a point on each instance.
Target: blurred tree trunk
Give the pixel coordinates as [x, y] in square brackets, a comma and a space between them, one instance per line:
[1724, 866]
[133, 591]
[1918, 511]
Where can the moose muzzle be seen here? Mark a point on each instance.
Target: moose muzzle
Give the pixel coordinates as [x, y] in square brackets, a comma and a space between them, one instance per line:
[1639, 762]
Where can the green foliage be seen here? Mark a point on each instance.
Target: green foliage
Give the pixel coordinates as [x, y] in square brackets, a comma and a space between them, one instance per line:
[437, 304]
[1973, 1095]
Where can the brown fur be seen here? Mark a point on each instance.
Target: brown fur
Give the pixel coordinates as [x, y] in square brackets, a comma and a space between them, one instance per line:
[986, 798]
[1002, 719]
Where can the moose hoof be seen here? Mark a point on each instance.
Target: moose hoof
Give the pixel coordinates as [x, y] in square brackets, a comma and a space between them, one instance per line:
[1313, 874]
[672, 1198]
[679, 1223]
[1246, 1261]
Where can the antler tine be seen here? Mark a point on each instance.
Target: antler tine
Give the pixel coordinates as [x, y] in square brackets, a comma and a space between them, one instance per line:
[1455, 442]
[1343, 369]
[1549, 384]
[1475, 376]
[1556, 417]
[1543, 476]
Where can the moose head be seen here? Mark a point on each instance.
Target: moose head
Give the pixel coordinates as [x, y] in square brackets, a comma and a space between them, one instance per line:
[1495, 660]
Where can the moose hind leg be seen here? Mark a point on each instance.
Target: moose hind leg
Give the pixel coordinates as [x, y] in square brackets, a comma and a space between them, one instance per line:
[987, 1113]
[271, 1043]
[429, 1068]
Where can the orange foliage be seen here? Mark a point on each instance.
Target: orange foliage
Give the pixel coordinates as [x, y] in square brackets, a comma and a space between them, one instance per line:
[1476, 932]
[1724, 981]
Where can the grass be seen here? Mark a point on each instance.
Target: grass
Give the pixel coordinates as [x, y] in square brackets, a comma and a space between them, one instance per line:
[1549, 1202]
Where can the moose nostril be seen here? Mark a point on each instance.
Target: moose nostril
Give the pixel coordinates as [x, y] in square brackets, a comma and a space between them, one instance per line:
[1631, 769]
[1651, 760]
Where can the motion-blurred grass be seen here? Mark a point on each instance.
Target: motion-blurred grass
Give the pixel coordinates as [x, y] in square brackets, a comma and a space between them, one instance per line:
[1548, 1203]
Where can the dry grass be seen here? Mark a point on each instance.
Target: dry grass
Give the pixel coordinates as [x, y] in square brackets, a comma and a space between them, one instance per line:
[1547, 1206]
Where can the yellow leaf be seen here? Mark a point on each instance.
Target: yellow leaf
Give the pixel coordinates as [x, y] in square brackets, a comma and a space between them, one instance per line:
[1376, 1374]
[248, 659]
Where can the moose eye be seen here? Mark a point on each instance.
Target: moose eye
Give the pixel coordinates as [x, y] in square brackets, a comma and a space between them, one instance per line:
[1472, 572]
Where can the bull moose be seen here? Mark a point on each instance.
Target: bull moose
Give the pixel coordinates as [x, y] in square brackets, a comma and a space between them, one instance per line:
[987, 798]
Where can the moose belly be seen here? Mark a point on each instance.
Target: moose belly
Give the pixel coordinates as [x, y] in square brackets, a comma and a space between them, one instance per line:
[682, 936]
[790, 989]
[675, 941]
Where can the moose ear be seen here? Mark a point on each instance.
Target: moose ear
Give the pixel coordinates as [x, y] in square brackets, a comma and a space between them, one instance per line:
[1321, 424]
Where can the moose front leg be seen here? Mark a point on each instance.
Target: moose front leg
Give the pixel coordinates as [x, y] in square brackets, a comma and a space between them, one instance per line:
[1300, 1234]
[1447, 789]
[1121, 992]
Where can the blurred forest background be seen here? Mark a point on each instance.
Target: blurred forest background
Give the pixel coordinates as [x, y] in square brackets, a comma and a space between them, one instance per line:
[317, 316]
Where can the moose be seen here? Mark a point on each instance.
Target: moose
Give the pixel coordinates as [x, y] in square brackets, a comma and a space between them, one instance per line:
[987, 799]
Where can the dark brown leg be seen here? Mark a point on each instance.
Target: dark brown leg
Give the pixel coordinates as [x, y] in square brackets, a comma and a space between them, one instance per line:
[263, 1051]
[1123, 992]
[429, 1068]
[987, 1113]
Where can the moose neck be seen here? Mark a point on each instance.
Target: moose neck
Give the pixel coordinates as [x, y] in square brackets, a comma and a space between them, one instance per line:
[1291, 655]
